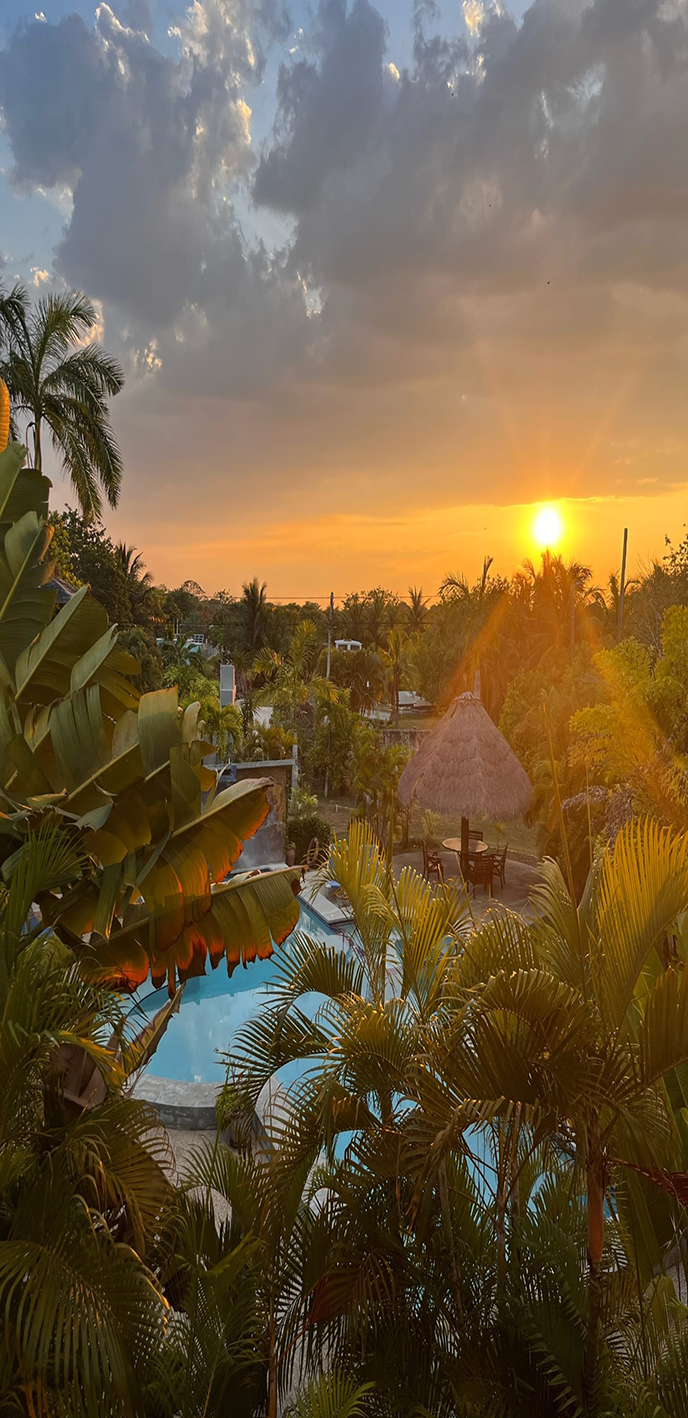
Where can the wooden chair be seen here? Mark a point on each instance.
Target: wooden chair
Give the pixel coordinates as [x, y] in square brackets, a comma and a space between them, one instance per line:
[480, 871]
[500, 864]
[311, 859]
[432, 864]
[474, 835]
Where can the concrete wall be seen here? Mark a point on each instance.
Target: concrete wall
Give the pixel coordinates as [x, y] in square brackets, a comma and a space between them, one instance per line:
[268, 843]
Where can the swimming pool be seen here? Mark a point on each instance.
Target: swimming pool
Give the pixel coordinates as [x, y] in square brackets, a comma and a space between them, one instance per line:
[214, 1006]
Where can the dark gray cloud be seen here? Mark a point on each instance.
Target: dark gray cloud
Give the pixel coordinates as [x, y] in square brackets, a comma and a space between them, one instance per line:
[327, 110]
[480, 263]
[148, 144]
[136, 14]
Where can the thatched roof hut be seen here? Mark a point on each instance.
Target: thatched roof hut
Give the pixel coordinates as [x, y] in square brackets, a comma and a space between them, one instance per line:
[465, 766]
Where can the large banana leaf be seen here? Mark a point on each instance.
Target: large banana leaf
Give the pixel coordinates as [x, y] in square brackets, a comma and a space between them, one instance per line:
[44, 669]
[106, 664]
[26, 603]
[21, 489]
[245, 918]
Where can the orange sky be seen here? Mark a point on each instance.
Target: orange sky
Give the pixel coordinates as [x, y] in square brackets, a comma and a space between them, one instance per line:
[308, 555]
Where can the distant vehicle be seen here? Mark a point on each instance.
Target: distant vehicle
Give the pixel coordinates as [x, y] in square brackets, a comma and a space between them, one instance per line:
[348, 645]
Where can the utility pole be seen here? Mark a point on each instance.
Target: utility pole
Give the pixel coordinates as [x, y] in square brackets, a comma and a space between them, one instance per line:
[622, 586]
[330, 620]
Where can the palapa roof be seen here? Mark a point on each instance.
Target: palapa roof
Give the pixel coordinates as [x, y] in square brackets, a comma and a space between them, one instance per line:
[465, 766]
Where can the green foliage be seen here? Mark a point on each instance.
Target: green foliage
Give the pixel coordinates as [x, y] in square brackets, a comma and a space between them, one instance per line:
[634, 738]
[377, 770]
[332, 746]
[302, 804]
[332, 1395]
[561, 687]
[223, 727]
[141, 644]
[302, 830]
[669, 692]
[266, 741]
[473, 1105]
[431, 826]
[362, 674]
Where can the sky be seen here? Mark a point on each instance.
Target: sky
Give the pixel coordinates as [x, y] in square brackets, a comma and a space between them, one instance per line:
[384, 278]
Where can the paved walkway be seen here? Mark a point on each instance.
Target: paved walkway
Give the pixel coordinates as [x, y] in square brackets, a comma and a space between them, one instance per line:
[520, 878]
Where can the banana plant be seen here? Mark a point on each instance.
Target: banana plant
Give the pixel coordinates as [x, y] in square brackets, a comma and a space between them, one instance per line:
[122, 773]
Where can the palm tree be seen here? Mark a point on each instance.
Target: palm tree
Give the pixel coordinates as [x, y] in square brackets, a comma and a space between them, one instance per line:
[575, 1029]
[381, 612]
[132, 562]
[57, 380]
[417, 608]
[395, 662]
[290, 679]
[253, 608]
[139, 581]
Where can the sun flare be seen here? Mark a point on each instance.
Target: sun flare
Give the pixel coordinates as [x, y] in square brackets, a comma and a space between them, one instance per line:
[547, 527]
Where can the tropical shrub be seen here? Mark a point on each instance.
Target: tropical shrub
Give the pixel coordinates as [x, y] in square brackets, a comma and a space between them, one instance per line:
[302, 830]
[376, 773]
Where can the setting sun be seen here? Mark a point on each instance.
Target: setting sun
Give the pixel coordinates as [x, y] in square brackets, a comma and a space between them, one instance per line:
[547, 527]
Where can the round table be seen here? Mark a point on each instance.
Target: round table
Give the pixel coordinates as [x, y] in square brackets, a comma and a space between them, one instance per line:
[453, 844]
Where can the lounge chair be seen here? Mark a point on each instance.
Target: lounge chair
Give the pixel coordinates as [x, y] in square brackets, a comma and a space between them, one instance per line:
[432, 863]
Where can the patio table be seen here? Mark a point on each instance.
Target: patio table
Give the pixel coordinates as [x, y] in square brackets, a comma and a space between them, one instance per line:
[453, 844]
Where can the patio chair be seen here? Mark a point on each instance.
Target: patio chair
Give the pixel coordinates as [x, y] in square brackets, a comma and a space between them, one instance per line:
[311, 859]
[500, 864]
[432, 863]
[481, 870]
[474, 835]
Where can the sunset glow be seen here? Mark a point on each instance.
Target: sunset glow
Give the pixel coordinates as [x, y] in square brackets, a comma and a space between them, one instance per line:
[547, 528]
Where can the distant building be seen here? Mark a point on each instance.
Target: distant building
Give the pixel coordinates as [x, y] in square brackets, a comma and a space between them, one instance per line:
[227, 685]
[411, 703]
[348, 645]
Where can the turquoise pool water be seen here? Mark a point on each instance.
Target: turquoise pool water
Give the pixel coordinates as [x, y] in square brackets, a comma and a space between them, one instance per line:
[213, 1008]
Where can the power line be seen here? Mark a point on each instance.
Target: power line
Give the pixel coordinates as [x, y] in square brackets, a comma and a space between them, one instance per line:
[299, 600]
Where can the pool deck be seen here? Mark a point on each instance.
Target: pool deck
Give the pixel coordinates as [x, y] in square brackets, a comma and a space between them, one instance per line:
[520, 878]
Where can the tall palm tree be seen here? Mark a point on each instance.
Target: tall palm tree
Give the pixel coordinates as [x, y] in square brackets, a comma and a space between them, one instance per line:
[395, 662]
[254, 613]
[417, 608]
[139, 581]
[132, 562]
[290, 679]
[59, 379]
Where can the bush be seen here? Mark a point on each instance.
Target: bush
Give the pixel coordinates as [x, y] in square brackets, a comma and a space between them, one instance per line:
[301, 831]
